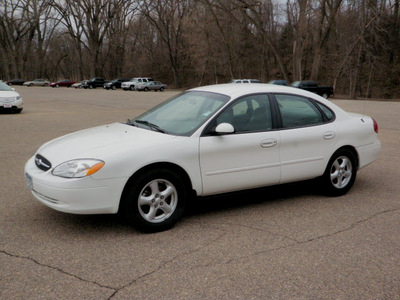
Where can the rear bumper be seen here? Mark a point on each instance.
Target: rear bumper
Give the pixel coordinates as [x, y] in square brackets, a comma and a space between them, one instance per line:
[368, 153]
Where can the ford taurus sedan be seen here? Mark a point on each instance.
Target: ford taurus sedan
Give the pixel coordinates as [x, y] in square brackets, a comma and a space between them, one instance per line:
[205, 141]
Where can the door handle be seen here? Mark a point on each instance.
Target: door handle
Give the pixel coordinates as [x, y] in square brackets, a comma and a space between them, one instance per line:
[329, 135]
[268, 143]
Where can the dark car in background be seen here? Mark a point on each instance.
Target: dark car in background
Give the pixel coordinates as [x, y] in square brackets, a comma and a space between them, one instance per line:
[15, 82]
[312, 86]
[94, 83]
[115, 84]
[65, 82]
[278, 82]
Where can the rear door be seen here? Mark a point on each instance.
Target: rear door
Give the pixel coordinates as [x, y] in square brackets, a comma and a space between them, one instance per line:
[307, 138]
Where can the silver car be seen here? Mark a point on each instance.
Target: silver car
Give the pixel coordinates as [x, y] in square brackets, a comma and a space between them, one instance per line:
[37, 82]
[151, 86]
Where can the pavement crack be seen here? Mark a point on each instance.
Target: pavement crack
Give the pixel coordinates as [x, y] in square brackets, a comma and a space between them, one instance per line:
[295, 242]
[163, 264]
[55, 269]
[350, 227]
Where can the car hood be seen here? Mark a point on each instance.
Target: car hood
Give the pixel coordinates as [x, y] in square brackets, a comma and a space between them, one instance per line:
[101, 142]
[7, 94]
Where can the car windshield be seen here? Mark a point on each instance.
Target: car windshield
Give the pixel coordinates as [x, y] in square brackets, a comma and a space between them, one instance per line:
[4, 87]
[183, 114]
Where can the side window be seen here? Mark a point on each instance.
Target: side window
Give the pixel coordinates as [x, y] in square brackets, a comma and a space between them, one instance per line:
[248, 114]
[328, 113]
[297, 111]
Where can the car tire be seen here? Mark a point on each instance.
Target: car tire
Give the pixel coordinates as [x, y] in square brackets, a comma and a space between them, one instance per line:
[146, 89]
[154, 200]
[91, 86]
[340, 173]
[325, 95]
[161, 89]
[57, 86]
[132, 87]
[114, 87]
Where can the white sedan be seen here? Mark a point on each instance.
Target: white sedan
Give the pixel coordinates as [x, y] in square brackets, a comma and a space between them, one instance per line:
[206, 141]
[10, 100]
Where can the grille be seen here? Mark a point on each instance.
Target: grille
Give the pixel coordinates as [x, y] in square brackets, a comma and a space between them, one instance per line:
[42, 163]
[7, 99]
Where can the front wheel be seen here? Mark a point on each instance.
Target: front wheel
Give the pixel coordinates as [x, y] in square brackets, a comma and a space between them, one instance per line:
[132, 87]
[340, 173]
[325, 95]
[155, 200]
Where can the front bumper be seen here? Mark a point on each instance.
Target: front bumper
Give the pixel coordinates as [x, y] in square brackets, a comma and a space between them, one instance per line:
[78, 195]
[6, 104]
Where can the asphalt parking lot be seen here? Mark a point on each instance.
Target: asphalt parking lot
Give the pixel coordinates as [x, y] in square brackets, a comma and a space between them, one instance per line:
[285, 242]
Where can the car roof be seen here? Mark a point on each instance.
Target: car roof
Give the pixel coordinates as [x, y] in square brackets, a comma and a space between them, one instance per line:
[235, 90]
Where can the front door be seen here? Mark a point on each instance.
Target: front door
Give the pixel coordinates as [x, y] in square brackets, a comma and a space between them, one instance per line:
[248, 158]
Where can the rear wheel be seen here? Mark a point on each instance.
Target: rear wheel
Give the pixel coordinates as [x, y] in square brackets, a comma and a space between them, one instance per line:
[325, 95]
[155, 200]
[113, 87]
[340, 173]
[132, 87]
[146, 89]
[161, 89]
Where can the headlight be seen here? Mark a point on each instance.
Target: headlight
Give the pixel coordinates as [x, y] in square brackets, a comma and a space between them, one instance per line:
[78, 168]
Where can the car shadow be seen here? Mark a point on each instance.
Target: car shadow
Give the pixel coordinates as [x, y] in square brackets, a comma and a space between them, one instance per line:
[248, 198]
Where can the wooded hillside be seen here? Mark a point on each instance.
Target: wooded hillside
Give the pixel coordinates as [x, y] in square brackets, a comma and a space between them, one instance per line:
[353, 45]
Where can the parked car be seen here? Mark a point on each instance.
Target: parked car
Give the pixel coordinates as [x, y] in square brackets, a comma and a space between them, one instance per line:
[151, 86]
[278, 82]
[65, 82]
[311, 86]
[131, 84]
[15, 82]
[94, 83]
[115, 84]
[37, 82]
[246, 81]
[79, 85]
[10, 100]
[206, 141]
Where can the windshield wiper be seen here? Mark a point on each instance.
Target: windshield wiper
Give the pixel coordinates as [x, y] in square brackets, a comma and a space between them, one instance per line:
[151, 125]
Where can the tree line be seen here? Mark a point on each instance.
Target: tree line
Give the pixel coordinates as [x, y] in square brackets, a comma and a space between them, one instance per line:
[353, 45]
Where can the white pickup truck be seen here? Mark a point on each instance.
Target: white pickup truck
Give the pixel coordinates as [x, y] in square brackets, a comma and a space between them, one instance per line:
[130, 85]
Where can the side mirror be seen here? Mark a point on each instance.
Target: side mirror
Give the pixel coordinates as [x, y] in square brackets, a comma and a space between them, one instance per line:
[224, 128]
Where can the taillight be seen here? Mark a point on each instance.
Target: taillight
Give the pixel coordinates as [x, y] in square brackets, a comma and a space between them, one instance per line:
[375, 125]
